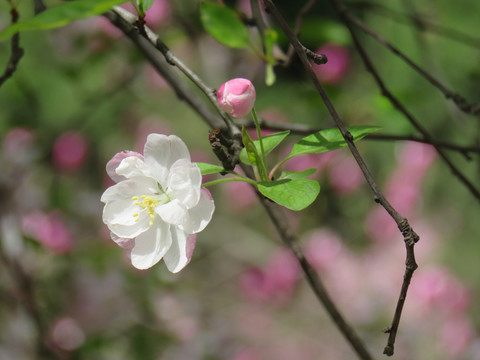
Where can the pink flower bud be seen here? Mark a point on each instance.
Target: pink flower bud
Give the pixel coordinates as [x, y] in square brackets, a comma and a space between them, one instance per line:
[237, 97]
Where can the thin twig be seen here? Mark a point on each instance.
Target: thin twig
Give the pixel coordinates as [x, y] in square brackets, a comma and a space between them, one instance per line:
[301, 129]
[16, 51]
[152, 55]
[409, 235]
[410, 257]
[298, 27]
[420, 23]
[398, 105]
[284, 230]
[148, 34]
[459, 100]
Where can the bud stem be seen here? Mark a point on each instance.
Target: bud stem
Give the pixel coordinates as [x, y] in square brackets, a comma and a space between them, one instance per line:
[260, 139]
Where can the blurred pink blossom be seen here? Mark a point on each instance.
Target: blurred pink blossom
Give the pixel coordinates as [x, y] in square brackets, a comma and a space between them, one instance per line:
[403, 189]
[276, 282]
[176, 317]
[344, 174]
[246, 354]
[310, 161]
[153, 79]
[456, 334]
[240, 195]
[271, 115]
[438, 290]
[17, 143]
[69, 151]
[49, 230]
[337, 66]
[67, 334]
[322, 248]
[418, 156]
[158, 13]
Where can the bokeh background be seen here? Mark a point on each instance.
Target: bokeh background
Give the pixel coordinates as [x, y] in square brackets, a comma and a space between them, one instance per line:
[83, 93]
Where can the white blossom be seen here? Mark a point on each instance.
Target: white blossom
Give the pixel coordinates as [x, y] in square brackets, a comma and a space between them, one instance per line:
[158, 204]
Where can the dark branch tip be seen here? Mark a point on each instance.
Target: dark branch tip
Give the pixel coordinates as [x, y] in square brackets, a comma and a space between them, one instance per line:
[388, 350]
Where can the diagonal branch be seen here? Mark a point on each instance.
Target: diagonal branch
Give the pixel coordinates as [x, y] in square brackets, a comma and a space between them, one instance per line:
[419, 23]
[459, 100]
[409, 235]
[284, 230]
[410, 261]
[399, 106]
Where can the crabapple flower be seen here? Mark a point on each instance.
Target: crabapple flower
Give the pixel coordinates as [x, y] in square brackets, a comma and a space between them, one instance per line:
[157, 205]
[236, 97]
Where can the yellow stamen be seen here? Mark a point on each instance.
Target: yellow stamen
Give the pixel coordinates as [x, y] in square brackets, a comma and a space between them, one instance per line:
[134, 197]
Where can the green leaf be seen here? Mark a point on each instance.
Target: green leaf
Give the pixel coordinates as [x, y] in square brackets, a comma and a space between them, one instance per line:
[294, 194]
[144, 5]
[296, 174]
[328, 139]
[271, 37]
[224, 25]
[61, 15]
[270, 142]
[250, 152]
[270, 76]
[207, 169]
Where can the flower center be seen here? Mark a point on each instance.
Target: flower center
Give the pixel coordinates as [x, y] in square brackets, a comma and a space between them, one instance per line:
[149, 203]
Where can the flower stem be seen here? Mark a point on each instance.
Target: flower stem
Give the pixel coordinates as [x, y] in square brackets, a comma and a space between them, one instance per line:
[275, 168]
[244, 179]
[260, 139]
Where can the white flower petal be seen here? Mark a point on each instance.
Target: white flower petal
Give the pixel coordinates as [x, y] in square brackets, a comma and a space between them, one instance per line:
[120, 218]
[173, 212]
[116, 160]
[128, 188]
[124, 243]
[132, 166]
[180, 252]
[151, 246]
[161, 152]
[200, 215]
[184, 182]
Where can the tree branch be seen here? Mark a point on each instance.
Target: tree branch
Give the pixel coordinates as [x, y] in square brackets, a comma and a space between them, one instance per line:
[459, 100]
[302, 129]
[409, 235]
[284, 230]
[16, 51]
[420, 23]
[398, 105]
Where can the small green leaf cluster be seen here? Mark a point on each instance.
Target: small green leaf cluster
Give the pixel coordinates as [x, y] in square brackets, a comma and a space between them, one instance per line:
[226, 26]
[61, 15]
[291, 189]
